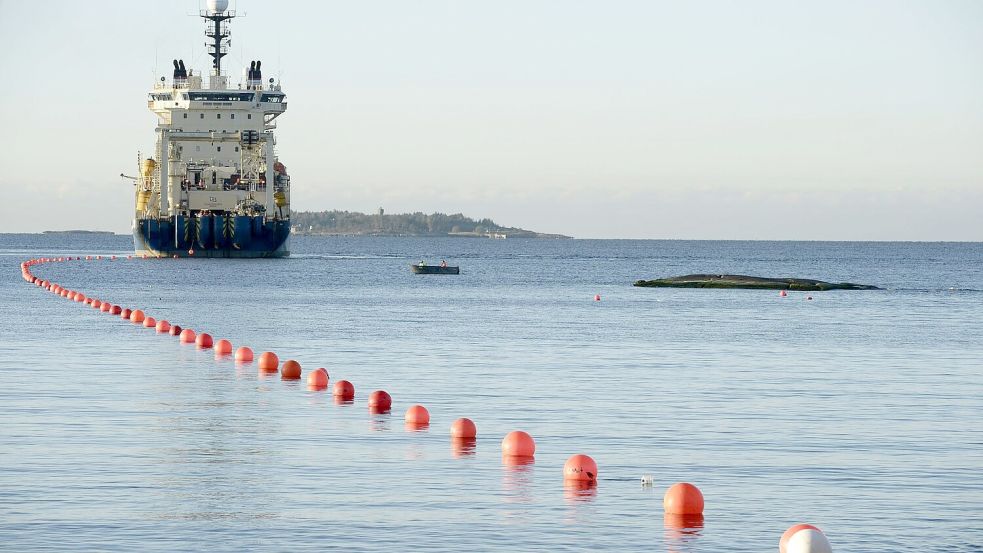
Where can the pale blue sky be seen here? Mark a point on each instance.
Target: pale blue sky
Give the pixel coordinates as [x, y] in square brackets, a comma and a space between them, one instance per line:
[631, 119]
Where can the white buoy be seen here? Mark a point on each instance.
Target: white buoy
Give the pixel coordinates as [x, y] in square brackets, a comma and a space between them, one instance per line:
[218, 6]
[647, 480]
[808, 541]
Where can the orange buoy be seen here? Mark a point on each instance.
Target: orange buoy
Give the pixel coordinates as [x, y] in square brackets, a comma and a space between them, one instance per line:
[380, 401]
[125, 314]
[96, 304]
[783, 294]
[175, 256]
[175, 330]
[163, 326]
[317, 379]
[187, 336]
[115, 310]
[580, 468]
[191, 252]
[223, 347]
[106, 307]
[290, 369]
[79, 297]
[597, 297]
[518, 444]
[463, 428]
[137, 316]
[244, 354]
[344, 389]
[683, 498]
[268, 361]
[417, 414]
[203, 341]
[149, 322]
[113, 258]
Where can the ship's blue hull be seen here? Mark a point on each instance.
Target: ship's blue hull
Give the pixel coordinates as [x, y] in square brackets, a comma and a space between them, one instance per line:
[212, 236]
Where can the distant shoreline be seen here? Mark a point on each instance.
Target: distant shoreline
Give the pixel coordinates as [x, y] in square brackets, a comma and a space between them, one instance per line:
[492, 235]
[78, 232]
[354, 223]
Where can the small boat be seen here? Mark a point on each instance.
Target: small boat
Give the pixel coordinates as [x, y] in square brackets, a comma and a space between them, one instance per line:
[434, 270]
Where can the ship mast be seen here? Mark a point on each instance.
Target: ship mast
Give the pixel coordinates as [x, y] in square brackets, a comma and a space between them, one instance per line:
[216, 14]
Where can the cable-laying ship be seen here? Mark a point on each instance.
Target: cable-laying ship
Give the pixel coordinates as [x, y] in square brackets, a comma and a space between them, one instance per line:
[215, 187]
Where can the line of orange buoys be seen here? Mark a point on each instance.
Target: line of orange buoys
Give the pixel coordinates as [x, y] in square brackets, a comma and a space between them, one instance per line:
[683, 502]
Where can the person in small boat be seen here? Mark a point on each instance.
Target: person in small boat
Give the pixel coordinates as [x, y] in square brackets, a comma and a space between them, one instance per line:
[423, 264]
[443, 264]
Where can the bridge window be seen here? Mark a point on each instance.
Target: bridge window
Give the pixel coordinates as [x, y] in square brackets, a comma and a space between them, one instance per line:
[218, 116]
[201, 115]
[222, 96]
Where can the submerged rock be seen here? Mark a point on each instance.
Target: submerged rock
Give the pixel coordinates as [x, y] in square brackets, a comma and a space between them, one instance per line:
[752, 282]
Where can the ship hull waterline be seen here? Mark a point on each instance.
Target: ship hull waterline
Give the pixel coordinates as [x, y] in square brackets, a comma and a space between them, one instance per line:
[212, 236]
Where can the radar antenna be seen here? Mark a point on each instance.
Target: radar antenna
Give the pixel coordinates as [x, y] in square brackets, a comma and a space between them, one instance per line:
[216, 29]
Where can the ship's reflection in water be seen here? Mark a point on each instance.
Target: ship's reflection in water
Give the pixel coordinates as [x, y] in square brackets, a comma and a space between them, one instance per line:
[208, 470]
[682, 532]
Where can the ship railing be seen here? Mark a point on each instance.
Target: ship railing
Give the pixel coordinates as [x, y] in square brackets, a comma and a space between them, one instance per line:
[165, 85]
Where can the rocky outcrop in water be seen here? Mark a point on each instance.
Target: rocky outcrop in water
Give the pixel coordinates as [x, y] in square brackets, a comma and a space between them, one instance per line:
[750, 282]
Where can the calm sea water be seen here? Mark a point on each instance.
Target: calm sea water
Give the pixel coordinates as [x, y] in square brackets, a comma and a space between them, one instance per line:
[860, 412]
